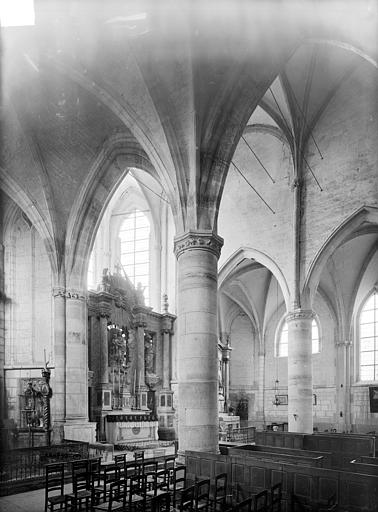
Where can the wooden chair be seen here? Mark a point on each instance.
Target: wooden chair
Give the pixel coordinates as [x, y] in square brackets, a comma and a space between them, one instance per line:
[201, 495]
[54, 486]
[160, 484]
[149, 469]
[117, 498]
[109, 475]
[243, 506]
[276, 497]
[186, 501]
[81, 493]
[136, 499]
[161, 502]
[219, 495]
[260, 501]
[170, 462]
[120, 462]
[178, 483]
[139, 456]
[94, 469]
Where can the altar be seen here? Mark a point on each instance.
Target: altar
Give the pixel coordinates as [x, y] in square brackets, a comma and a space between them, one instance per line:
[135, 428]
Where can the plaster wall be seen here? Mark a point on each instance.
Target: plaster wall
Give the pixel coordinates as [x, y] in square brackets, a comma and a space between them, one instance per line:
[346, 135]
[244, 220]
[29, 310]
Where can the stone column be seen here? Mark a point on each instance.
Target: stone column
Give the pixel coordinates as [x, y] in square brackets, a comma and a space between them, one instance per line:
[2, 336]
[166, 332]
[76, 357]
[300, 371]
[260, 405]
[140, 324]
[77, 426]
[58, 401]
[226, 353]
[197, 253]
[343, 419]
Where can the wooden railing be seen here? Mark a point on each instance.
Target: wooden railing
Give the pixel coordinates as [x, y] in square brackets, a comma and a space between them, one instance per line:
[239, 435]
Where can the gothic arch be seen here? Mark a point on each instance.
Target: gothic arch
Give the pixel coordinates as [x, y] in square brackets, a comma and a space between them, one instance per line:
[363, 220]
[346, 46]
[249, 253]
[32, 211]
[109, 169]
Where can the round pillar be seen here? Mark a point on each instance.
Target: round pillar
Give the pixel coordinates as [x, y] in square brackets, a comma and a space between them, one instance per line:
[300, 371]
[59, 360]
[197, 253]
[76, 357]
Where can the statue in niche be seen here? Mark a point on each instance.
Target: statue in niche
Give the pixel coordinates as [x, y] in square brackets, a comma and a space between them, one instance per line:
[140, 294]
[152, 380]
[105, 281]
[33, 403]
[148, 353]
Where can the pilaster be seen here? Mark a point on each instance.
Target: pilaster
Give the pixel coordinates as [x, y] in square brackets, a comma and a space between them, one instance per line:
[343, 397]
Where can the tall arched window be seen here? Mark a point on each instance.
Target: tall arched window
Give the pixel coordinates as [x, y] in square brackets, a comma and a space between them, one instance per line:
[368, 337]
[134, 235]
[282, 339]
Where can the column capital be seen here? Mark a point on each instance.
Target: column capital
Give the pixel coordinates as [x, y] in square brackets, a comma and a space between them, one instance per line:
[59, 291]
[343, 343]
[69, 293]
[202, 240]
[300, 314]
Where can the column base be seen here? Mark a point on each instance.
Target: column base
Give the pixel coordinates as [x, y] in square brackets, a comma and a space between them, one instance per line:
[79, 430]
[57, 433]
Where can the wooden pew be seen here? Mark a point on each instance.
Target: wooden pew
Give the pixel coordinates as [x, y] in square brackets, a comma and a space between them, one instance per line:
[312, 486]
[285, 455]
[361, 467]
[344, 447]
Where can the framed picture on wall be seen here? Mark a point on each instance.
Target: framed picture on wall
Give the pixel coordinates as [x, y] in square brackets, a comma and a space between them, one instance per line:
[373, 395]
[281, 399]
[106, 399]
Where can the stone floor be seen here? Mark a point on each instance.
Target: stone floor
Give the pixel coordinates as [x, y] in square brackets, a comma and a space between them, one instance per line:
[32, 501]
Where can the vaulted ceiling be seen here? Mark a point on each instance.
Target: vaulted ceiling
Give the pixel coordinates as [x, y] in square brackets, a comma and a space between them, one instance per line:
[179, 80]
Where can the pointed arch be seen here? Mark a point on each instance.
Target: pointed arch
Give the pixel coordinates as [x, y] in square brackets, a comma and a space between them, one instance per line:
[34, 213]
[364, 220]
[109, 169]
[253, 254]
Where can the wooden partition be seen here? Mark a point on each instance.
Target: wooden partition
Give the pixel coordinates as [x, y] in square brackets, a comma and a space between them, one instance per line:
[280, 439]
[286, 455]
[312, 486]
[363, 444]
[343, 447]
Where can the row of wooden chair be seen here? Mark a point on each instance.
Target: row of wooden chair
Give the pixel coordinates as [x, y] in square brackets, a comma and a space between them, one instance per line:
[201, 496]
[92, 483]
[264, 501]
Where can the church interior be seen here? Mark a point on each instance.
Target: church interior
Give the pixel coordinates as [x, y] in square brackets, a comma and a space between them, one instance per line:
[189, 227]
